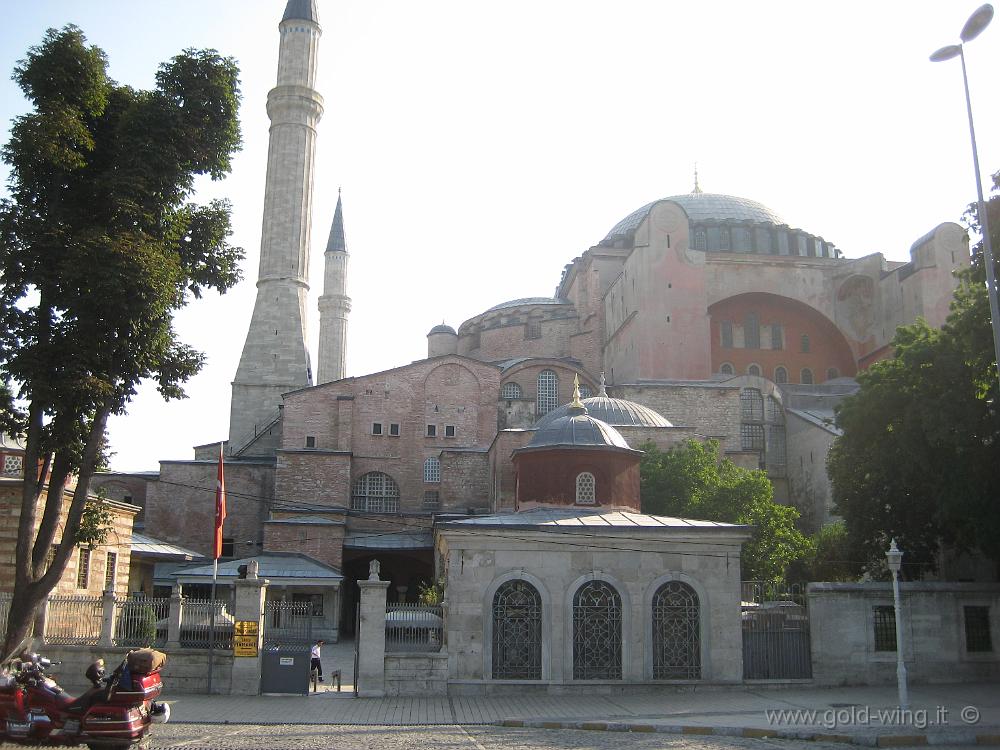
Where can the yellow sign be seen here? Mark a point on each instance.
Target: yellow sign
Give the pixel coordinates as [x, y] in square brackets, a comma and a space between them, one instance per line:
[245, 638]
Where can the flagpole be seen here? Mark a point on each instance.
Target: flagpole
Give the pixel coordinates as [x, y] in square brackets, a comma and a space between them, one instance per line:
[211, 627]
[220, 519]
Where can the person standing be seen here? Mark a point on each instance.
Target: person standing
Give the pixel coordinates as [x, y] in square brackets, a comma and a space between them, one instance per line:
[314, 656]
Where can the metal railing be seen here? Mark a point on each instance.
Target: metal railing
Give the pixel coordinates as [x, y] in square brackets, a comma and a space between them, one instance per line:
[414, 627]
[74, 620]
[758, 592]
[141, 621]
[287, 623]
[196, 624]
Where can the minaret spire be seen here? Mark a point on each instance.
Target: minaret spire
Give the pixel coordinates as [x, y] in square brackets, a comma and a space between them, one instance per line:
[334, 305]
[275, 359]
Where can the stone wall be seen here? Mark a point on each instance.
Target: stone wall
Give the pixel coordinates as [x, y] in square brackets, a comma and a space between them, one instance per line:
[710, 409]
[416, 674]
[844, 648]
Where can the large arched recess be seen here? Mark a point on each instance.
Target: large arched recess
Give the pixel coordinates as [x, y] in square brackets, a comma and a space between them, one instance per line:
[828, 349]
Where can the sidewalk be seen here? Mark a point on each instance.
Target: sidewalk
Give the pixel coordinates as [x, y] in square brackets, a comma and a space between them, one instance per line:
[939, 714]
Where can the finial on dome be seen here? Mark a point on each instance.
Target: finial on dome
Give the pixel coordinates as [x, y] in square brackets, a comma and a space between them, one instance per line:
[577, 403]
[604, 391]
[697, 189]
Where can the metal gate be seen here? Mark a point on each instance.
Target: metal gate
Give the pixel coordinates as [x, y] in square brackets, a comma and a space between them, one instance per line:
[287, 641]
[776, 641]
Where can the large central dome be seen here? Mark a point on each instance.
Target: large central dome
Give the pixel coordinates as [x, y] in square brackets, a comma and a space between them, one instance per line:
[702, 207]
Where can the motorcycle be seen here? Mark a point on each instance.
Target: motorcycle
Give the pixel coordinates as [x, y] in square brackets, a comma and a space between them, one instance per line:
[114, 714]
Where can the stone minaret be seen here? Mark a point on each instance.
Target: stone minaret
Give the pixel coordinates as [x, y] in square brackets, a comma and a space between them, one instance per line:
[334, 305]
[275, 359]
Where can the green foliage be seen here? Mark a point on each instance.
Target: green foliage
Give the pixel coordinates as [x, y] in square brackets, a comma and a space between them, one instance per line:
[690, 481]
[145, 632]
[830, 558]
[917, 459]
[431, 593]
[95, 524]
[99, 246]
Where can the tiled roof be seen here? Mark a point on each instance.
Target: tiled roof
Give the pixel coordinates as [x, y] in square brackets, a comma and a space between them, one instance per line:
[557, 519]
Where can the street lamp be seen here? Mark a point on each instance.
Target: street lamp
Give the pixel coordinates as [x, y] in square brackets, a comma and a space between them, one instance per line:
[973, 28]
[894, 557]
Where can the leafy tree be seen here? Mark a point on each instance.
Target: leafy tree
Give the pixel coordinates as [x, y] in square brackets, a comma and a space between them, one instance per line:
[830, 558]
[690, 481]
[98, 247]
[918, 457]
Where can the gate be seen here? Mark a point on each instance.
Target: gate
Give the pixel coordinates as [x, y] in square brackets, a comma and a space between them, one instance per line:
[287, 641]
[776, 641]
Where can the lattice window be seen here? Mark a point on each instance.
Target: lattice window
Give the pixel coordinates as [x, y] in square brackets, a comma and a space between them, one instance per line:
[780, 375]
[753, 370]
[752, 437]
[775, 414]
[832, 373]
[510, 391]
[517, 632]
[807, 376]
[83, 568]
[977, 629]
[13, 464]
[432, 469]
[776, 448]
[432, 499]
[726, 369]
[676, 633]
[884, 618]
[548, 392]
[726, 333]
[586, 488]
[375, 492]
[109, 571]
[751, 331]
[533, 329]
[597, 632]
[751, 405]
[699, 239]
[777, 336]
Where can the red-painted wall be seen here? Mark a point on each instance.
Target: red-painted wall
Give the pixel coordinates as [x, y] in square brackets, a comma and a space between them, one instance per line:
[548, 477]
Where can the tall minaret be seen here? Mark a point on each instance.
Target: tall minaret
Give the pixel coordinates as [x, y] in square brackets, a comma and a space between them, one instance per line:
[275, 359]
[334, 305]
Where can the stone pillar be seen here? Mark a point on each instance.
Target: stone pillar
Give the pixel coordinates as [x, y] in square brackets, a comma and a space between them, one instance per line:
[370, 678]
[107, 639]
[249, 607]
[174, 618]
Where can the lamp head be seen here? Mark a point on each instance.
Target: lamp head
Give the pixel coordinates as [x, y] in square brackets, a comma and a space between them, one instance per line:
[977, 22]
[946, 53]
[894, 557]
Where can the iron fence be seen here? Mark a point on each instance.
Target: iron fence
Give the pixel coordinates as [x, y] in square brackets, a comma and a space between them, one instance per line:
[758, 592]
[776, 642]
[414, 627]
[197, 616]
[287, 623]
[74, 620]
[141, 621]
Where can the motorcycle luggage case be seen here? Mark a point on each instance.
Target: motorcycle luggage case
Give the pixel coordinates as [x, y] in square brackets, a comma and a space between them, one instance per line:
[145, 661]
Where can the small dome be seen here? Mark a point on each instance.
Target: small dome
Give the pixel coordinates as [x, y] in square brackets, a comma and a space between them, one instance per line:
[577, 429]
[442, 328]
[613, 411]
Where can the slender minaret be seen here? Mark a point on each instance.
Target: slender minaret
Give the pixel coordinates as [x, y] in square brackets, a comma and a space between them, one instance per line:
[275, 359]
[334, 305]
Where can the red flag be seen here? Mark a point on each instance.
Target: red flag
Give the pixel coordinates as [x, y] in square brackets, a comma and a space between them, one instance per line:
[220, 509]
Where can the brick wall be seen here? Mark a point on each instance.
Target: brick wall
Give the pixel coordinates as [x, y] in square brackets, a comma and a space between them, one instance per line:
[465, 481]
[323, 542]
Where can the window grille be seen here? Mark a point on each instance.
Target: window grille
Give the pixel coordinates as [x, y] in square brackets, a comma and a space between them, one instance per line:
[533, 329]
[807, 376]
[699, 239]
[751, 332]
[726, 331]
[777, 337]
[548, 392]
[375, 492]
[805, 343]
[885, 627]
[753, 370]
[517, 632]
[676, 633]
[12, 464]
[510, 391]
[432, 499]
[776, 449]
[774, 412]
[780, 375]
[432, 469]
[751, 405]
[597, 632]
[977, 629]
[83, 568]
[724, 239]
[832, 373]
[726, 369]
[752, 437]
[109, 571]
[586, 489]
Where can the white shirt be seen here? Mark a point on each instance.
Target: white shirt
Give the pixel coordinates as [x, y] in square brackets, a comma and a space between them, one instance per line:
[314, 651]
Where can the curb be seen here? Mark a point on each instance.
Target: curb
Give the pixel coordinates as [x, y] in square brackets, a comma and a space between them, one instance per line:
[865, 740]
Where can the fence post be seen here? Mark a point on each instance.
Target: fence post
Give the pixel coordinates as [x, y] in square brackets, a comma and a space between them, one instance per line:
[107, 638]
[174, 618]
[248, 607]
[371, 635]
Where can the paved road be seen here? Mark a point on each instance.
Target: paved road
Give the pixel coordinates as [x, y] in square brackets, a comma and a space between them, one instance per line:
[444, 737]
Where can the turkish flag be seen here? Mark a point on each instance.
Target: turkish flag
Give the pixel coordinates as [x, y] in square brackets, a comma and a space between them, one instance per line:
[220, 508]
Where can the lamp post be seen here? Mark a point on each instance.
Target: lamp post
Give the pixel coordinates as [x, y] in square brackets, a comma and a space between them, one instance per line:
[894, 557]
[973, 28]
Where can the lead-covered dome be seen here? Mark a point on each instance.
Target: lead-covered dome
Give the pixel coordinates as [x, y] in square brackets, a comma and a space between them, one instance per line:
[701, 207]
[575, 428]
[616, 412]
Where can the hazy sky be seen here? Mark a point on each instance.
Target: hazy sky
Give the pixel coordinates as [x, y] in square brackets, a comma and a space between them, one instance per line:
[481, 146]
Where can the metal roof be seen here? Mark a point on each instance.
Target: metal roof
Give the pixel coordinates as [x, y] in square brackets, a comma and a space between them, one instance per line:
[577, 429]
[148, 546]
[301, 10]
[616, 412]
[570, 519]
[442, 328]
[531, 301]
[393, 540]
[299, 520]
[276, 566]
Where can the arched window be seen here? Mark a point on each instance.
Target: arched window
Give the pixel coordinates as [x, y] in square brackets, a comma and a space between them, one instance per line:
[753, 370]
[597, 632]
[751, 405]
[517, 632]
[726, 369]
[432, 469]
[751, 331]
[510, 391]
[780, 375]
[676, 633]
[807, 376]
[699, 239]
[832, 373]
[548, 392]
[586, 488]
[777, 336]
[375, 492]
[752, 437]
[805, 342]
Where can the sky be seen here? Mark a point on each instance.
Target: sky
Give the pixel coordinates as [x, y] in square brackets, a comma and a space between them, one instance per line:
[481, 146]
